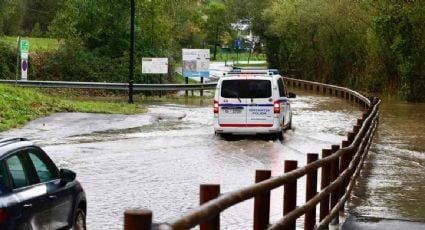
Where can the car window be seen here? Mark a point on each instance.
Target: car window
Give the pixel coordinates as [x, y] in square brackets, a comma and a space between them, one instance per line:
[42, 167]
[16, 169]
[282, 90]
[246, 89]
[4, 179]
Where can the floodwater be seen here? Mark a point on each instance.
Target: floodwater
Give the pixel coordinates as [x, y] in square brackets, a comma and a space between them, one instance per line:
[158, 160]
[392, 184]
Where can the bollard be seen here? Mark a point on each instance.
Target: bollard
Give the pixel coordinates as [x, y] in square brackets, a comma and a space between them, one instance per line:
[209, 192]
[324, 203]
[290, 193]
[262, 202]
[310, 192]
[137, 219]
[334, 176]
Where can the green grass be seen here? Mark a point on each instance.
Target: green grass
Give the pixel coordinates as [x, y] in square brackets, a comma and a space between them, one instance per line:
[19, 106]
[36, 44]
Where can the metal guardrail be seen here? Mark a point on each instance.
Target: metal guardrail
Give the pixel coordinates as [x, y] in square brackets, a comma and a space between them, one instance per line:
[110, 86]
[340, 166]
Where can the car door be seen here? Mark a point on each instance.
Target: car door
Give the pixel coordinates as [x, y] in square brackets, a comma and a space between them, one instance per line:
[31, 207]
[232, 104]
[284, 102]
[260, 111]
[59, 197]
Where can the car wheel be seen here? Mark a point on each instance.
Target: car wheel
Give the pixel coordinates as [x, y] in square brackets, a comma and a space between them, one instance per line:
[80, 220]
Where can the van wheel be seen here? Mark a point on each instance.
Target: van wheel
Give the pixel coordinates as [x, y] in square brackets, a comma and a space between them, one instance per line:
[279, 135]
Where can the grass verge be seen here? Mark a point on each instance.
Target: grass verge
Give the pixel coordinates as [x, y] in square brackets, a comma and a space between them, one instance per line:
[19, 106]
[36, 44]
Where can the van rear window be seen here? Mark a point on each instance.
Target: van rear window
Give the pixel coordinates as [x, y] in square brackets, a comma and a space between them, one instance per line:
[246, 89]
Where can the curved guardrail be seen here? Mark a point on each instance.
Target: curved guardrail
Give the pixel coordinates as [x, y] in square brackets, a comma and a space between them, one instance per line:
[111, 86]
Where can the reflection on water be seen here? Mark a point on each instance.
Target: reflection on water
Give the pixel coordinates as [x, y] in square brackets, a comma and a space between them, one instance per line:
[393, 182]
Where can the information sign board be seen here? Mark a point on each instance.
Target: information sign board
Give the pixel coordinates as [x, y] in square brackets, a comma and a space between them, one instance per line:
[196, 63]
[155, 65]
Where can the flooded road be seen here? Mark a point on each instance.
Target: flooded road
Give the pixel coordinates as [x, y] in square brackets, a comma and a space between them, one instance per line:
[392, 184]
[158, 160]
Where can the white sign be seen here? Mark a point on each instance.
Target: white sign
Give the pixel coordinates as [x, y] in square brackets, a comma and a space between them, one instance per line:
[155, 65]
[196, 62]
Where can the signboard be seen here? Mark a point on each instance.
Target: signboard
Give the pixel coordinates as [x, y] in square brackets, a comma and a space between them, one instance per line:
[24, 70]
[155, 65]
[238, 43]
[24, 47]
[196, 63]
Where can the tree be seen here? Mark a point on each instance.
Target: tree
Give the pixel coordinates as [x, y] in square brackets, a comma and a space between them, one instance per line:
[217, 22]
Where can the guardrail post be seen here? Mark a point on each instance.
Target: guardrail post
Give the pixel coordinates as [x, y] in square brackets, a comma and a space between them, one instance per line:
[325, 181]
[310, 192]
[334, 176]
[318, 88]
[137, 219]
[290, 192]
[262, 202]
[209, 192]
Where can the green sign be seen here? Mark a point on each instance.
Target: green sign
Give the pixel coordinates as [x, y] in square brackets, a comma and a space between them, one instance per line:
[24, 46]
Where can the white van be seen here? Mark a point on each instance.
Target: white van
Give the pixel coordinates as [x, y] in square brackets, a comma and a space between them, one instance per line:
[252, 102]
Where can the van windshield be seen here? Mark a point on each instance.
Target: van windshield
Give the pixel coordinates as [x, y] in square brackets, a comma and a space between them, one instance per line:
[246, 88]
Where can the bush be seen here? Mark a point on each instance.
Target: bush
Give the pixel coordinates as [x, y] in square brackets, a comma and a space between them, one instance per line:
[7, 61]
[73, 63]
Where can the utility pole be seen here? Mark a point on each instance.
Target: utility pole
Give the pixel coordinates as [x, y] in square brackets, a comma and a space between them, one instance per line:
[131, 68]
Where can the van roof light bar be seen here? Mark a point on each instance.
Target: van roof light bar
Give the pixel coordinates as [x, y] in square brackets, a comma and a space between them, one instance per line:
[254, 71]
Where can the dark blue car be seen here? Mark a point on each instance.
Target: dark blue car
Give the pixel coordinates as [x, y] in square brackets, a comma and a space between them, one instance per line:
[34, 193]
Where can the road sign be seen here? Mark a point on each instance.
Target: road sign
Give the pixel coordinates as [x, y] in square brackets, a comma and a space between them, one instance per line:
[24, 46]
[196, 63]
[155, 65]
[24, 70]
[238, 43]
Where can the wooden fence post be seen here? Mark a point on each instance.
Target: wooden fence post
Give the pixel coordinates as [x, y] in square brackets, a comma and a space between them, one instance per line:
[209, 192]
[324, 203]
[262, 202]
[345, 162]
[350, 137]
[334, 176]
[290, 192]
[137, 219]
[310, 192]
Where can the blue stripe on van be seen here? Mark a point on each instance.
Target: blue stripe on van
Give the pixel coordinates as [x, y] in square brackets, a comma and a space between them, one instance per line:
[244, 105]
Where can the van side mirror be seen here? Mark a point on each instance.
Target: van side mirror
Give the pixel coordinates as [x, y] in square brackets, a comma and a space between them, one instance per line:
[67, 176]
[292, 95]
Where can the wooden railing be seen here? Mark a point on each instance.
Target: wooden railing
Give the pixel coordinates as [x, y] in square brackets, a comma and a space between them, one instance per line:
[340, 165]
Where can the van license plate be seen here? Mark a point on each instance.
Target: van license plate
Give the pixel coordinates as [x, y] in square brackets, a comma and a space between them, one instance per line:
[233, 111]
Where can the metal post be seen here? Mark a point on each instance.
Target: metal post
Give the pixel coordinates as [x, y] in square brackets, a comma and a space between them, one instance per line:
[131, 67]
[310, 192]
[209, 192]
[186, 81]
[137, 219]
[18, 57]
[202, 91]
[262, 202]
[290, 193]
